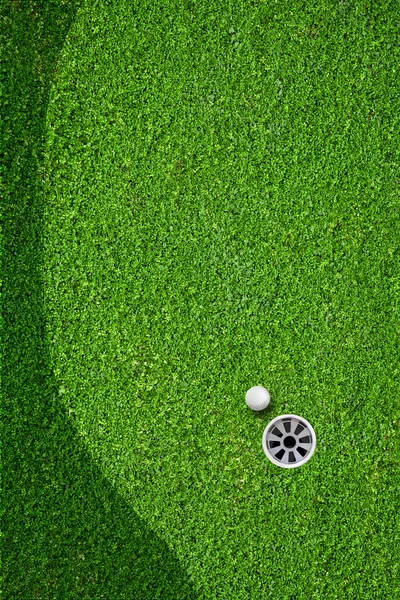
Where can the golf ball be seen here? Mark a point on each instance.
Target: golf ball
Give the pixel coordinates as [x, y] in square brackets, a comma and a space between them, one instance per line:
[257, 398]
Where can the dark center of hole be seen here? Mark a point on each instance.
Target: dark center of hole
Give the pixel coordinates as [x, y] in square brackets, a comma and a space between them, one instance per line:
[289, 441]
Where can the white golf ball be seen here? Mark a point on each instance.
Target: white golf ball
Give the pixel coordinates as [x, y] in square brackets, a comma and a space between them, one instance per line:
[257, 398]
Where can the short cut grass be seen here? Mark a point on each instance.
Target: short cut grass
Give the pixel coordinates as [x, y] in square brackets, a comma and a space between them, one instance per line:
[206, 199]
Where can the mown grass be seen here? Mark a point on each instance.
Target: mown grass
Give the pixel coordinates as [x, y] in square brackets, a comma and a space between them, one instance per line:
[207, 200]
[66, 531]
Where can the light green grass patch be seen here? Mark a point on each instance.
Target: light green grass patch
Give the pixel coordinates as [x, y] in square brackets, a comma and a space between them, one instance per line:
[221, 213]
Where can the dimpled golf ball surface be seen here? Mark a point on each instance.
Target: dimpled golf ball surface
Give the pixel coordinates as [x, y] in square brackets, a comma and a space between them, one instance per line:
[257, 398]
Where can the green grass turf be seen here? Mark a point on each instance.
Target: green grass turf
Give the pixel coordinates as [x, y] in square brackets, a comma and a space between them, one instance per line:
[200, 198]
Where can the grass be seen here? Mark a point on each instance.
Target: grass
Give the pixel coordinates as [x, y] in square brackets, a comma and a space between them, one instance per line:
[199, 199]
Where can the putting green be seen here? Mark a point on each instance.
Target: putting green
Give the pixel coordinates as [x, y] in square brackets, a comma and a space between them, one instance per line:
[222, 212]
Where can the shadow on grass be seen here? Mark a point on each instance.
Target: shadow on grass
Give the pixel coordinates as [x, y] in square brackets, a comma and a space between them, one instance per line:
[66, 532]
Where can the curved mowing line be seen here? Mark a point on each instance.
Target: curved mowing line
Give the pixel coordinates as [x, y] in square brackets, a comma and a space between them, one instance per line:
[66, 531]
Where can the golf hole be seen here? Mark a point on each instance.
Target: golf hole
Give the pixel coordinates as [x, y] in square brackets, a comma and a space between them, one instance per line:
[289, 441]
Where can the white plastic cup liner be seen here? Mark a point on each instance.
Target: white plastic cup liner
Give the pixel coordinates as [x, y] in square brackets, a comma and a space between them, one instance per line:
[289, 441]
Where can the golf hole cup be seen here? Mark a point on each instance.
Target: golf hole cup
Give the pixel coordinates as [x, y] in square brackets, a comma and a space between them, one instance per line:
[289, 441]
[257, 398]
